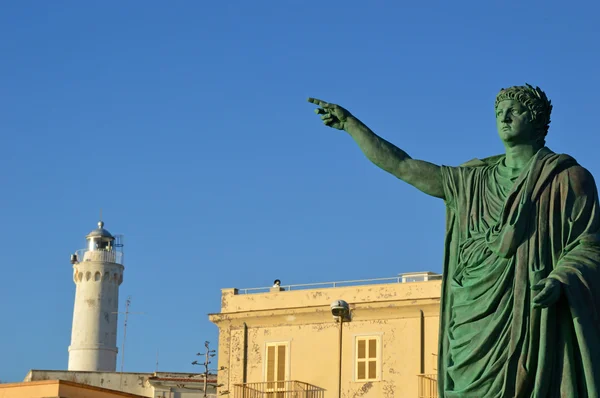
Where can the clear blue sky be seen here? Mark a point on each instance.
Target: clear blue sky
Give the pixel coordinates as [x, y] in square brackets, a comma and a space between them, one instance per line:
[187, 123]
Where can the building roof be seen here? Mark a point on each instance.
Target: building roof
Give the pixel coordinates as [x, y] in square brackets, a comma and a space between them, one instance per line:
[182, 379]
[58, 388]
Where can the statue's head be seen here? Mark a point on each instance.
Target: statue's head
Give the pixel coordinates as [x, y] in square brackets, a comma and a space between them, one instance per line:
[522, 114]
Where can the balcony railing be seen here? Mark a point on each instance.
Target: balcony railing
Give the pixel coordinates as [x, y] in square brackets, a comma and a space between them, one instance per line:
[403, 278]
[428, 386]
[101, 255]
[278, 389]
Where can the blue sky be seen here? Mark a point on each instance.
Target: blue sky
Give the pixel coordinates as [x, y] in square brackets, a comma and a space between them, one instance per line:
[187, 123]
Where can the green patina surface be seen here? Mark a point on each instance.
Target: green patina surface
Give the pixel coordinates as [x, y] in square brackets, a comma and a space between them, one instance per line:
[521, 285]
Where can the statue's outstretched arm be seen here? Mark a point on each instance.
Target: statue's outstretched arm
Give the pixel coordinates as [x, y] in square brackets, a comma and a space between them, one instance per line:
[423, 175]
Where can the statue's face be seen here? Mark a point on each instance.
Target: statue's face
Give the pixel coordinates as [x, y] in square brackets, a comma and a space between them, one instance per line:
[514, 123]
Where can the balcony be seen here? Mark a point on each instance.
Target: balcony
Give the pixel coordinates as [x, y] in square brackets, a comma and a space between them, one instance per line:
[278, 389]
[428, 386]
[100, 255]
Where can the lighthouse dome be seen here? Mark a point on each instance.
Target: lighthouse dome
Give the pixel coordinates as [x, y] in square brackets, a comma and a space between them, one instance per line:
[100, 232]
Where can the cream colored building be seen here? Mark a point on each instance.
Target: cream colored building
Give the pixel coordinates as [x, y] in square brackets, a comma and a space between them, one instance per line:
[282, 341]
[58, 389]
[149, 385]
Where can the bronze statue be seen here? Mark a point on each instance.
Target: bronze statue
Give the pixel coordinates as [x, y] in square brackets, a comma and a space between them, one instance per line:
[520, 300]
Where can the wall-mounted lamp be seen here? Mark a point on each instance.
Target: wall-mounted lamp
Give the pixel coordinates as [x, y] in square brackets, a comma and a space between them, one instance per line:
[340, 311]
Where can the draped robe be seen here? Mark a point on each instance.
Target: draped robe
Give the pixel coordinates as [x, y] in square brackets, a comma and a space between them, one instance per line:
[505, 232]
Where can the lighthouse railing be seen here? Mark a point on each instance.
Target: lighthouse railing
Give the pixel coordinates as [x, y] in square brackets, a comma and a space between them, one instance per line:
[107, 256]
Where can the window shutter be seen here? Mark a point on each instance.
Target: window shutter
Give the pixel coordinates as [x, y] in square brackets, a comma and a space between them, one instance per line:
[373, 359]
[281, 361]
[271, 363]
[361, 349]
[367, 358]
[372, 370]
[372, 348]
[276, 370]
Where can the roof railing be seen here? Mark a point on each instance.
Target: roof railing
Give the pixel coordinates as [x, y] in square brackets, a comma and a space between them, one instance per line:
[402, 278]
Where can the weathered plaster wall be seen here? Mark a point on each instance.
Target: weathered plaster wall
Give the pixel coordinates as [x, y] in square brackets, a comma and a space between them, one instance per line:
[303, 318]
[168, 384]
[232, 302]
[57, 389]
[133, 383]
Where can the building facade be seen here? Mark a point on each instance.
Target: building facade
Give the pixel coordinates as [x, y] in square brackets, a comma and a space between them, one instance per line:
[369, 339]
[58, 389]
[150, 385]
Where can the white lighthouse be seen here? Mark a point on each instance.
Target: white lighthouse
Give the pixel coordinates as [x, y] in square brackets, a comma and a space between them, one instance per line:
[97, 273]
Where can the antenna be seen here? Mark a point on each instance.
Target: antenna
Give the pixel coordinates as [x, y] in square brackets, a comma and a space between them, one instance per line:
[208, 354]
[157, 360]
[127, 312]
[100, 214]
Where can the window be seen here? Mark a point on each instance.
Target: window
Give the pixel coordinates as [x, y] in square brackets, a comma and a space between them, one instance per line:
[276, 365]
[367, 367]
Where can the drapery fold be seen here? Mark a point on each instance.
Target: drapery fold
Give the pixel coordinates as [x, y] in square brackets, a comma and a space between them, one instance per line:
[504, 234]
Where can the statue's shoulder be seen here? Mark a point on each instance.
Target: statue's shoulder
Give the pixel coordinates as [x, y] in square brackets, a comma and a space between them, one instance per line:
[576, 172]
[489, 161]
[579, 180]
[562, 161]
[569, 170]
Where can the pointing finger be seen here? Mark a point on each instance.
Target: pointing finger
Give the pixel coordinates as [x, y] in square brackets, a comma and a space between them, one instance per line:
[319, 102]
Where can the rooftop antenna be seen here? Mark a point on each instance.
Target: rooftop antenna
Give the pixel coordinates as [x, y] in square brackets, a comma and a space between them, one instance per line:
[207, 355]
[100, 214]
[157, 360]
[127, 312]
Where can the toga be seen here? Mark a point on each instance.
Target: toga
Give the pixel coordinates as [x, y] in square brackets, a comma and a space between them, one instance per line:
[506, 230]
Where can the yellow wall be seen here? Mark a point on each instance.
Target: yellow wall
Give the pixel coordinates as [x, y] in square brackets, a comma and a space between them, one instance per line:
[405, 315]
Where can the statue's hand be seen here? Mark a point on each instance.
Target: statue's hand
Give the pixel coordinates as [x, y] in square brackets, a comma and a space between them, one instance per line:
[332, 115]
[549, 294]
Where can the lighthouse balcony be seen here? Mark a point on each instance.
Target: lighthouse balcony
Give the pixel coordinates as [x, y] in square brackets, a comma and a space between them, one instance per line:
[100, 255]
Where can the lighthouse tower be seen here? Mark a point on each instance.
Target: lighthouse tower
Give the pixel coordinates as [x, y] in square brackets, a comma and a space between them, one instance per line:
[97, 273]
